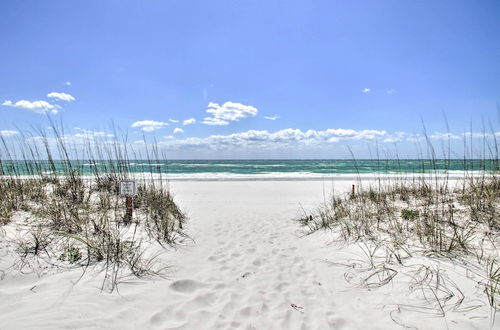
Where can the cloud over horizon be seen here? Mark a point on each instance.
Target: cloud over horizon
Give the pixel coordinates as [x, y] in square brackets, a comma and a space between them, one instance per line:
[287, 142]
[263, 138]
[7, 133]
[86, 133]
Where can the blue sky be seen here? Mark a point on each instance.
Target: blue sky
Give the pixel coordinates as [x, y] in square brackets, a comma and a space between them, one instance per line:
[348, 72]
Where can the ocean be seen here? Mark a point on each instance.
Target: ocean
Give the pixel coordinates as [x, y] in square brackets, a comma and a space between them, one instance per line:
[254, 169]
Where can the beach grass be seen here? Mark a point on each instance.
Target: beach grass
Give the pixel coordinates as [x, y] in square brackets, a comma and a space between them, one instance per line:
[71, 218]
[408, 226]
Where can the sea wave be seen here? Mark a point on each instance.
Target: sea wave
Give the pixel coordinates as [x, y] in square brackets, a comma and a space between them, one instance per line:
[225, 176]
[227, 165]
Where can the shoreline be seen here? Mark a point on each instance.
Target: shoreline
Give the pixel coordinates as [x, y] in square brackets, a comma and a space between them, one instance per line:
[283, 176]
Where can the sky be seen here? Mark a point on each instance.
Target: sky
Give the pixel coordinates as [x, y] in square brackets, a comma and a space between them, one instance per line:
[254, 79]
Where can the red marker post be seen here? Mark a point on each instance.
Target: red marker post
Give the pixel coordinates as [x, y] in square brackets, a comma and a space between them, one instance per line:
[128, 189]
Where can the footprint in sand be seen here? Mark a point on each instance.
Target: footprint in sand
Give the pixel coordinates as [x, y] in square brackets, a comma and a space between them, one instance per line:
[213, 258]
[186, 286]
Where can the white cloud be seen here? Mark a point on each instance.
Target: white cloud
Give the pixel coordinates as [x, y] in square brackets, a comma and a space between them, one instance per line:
[189, 121]
[61, 96]
[7, 133]
[391, 139]
[85, 133]
[80, 139]
[369, 134]
[68, 83]
[444, 136]
[265, 139]
[178, 130]
[173, 120]
[397, 136]
[415, 137]
[400, 136]
[272, 117]
[40, 106]
[149, 125]
[478, 135]
[227, 112]
[366, 90]
[391, 91]
[214, 121]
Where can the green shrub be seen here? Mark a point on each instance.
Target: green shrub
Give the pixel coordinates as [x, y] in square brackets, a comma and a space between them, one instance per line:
[71, 254]
[409, 214]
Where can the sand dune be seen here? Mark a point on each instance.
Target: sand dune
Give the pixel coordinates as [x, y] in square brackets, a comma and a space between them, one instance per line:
[247, 268]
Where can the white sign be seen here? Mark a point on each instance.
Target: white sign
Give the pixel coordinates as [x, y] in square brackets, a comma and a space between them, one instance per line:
[127, 188]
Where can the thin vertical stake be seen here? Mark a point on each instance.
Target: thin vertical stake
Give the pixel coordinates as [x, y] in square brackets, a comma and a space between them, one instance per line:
[130, 206]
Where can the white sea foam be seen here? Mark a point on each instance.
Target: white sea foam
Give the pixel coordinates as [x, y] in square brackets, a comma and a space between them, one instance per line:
[283, 176]
[226, 165]
[224, 176]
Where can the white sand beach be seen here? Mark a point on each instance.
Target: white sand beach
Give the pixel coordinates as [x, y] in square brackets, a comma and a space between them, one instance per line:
[248, 267]
[239, 165]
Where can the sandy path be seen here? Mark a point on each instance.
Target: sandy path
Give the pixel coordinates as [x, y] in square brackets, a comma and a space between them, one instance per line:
[248, 269]
[245, 270]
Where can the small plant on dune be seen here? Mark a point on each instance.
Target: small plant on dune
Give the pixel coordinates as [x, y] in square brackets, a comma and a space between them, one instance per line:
[71, 254]
[409, 214]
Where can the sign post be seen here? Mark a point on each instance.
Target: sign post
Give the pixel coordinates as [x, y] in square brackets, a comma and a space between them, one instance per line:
[128, 189]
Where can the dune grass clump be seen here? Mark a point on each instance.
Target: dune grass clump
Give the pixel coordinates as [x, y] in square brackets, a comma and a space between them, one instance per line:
[407, 226]
[164, 218]
[17, 195]
[440, 220]
[396, 224]
[72, 215]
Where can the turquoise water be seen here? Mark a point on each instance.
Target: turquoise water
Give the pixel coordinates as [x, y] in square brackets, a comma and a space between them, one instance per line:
[249, 167]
